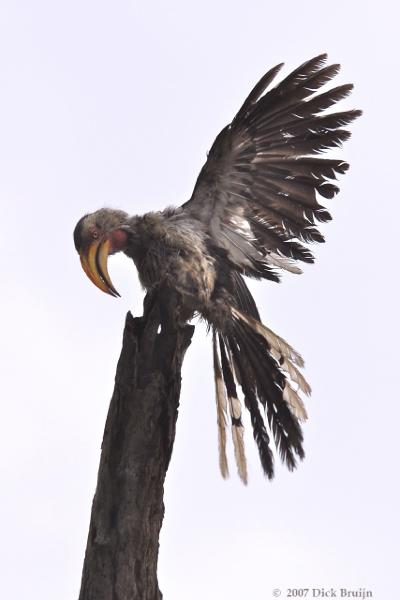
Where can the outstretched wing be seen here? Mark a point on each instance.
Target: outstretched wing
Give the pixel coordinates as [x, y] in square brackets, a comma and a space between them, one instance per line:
[258, 194]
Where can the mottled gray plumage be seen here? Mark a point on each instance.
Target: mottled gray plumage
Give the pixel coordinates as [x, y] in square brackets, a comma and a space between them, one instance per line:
[255, 204]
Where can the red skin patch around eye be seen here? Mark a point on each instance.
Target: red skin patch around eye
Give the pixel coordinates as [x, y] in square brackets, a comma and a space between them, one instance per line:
[118, 239]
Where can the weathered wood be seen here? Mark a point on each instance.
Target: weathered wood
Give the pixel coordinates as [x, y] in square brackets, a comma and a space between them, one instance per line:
[127, 512]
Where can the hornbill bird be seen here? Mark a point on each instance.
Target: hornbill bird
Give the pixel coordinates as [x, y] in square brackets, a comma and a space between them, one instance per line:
[254, 206]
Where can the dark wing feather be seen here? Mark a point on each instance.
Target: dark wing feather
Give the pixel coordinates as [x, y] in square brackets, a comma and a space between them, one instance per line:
[259, 193]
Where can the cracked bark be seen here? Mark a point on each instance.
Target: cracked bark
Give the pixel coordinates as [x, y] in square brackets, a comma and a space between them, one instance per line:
[127, 512]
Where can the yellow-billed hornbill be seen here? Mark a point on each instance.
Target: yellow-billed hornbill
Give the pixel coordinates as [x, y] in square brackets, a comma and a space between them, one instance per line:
[255, 203]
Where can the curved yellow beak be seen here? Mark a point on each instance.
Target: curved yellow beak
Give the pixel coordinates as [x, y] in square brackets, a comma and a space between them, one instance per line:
[94, 263]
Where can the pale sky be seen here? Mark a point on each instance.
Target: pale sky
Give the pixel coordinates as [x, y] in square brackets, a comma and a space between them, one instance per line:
[116, 104]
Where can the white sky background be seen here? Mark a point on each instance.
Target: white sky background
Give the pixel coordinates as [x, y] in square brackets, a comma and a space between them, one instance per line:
[116, 103]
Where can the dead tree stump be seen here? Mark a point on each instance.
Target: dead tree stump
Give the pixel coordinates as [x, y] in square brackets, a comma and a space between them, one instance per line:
[122, 548]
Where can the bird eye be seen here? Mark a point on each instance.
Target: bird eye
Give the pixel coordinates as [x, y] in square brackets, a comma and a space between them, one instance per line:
[95, 235]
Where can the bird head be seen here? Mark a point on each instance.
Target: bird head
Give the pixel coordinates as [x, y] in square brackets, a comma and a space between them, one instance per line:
[96, 236]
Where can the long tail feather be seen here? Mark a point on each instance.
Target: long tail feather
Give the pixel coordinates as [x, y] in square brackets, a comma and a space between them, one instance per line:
[221, 411]
[235, 410]
[260, 433]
